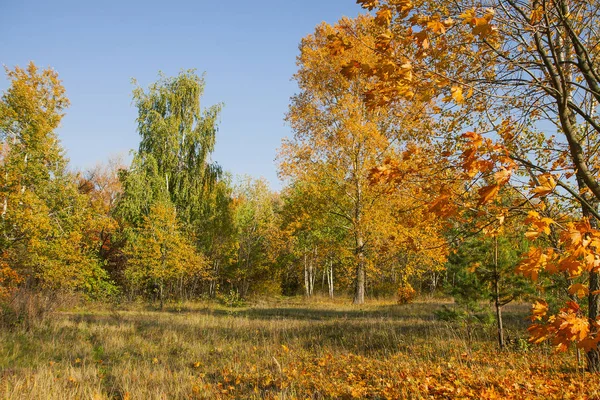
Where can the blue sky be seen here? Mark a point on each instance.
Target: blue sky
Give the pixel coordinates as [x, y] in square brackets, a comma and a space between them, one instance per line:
[246, 48]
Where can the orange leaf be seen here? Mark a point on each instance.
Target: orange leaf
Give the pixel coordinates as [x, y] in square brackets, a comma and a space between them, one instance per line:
[487, 194]
[579, 290]
[368, 4]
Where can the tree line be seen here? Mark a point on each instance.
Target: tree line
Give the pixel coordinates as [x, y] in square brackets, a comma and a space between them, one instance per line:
[174, 226]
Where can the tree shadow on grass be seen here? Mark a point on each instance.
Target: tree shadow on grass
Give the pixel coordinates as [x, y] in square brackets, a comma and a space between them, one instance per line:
[331, 332]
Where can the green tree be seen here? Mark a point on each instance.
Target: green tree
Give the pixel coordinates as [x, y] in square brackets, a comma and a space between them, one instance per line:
[482, 268]
[177, 138]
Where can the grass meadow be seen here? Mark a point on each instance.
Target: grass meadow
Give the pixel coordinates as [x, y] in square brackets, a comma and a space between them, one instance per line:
[281, 349]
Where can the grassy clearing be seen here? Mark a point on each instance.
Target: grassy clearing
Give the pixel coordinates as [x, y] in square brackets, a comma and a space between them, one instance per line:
[279, 349]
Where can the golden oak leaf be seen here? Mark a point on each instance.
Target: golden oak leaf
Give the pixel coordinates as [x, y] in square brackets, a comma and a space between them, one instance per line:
[473, 139]
[403, 6]
[502, 176]
[578, 328]
[588, 344]
[436, 26]
[422, 39]
[337, 45]
[481, 26]
[547, 185]
[534, 261]
[572, 266]
[383, 41]
[532, 217]
[351, 70]
[571, 306]
[536, 15]
[532, 235]
[538, 333]
[467, 16]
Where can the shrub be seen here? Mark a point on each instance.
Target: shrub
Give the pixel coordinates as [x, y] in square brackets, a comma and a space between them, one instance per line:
[27, 309]
[406, 294]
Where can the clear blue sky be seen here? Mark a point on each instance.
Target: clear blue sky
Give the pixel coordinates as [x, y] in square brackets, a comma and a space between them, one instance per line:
[247, 49]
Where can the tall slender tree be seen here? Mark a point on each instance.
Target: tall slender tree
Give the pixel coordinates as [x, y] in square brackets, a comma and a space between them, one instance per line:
[338, 140]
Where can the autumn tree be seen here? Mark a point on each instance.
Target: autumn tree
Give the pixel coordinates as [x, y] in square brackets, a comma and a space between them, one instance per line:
[257, 235]
[218, 231]
[338, 140]
[518, 68]
[160, 256]
[44, 217]
[317, 245]
[102, 187]
[172, 165]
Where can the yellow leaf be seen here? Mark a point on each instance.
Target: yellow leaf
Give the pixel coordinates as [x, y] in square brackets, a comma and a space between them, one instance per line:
[547, 185]
[384, 16]
[457, 94]
[539, 310]
[502, 176]
[436, 26]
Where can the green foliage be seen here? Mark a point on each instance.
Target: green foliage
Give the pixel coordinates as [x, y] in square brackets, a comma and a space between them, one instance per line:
[177, 138]
[233, 299]
[472, 271]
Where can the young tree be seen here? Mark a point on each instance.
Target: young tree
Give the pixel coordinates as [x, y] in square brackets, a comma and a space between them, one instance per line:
[483, 268]
[158, 254]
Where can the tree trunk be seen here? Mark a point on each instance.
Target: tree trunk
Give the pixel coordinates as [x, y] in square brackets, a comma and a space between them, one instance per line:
[330, 279]
[312, 273]
[593, 356]
[160, 294]
[497, 296]
[359, 290]
[306, 278]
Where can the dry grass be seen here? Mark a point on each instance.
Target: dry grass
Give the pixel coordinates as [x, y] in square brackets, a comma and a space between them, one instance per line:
[279, 349]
